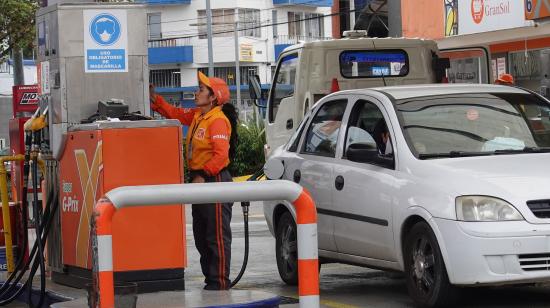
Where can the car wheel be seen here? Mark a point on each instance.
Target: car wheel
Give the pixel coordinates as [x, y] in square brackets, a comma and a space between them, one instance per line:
[286, 249]
[427, 280]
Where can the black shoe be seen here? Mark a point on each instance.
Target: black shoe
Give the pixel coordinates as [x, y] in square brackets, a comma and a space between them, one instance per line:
[211, 287]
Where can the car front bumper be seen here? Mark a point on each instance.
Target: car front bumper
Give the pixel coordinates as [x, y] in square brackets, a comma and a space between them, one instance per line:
[493, 253]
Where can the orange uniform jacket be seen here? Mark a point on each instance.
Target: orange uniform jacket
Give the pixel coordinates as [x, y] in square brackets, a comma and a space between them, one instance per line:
[207, 137]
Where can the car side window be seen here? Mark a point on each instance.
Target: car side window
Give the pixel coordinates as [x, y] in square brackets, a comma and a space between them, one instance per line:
[295, 139]
[368, 127]
[322, 133]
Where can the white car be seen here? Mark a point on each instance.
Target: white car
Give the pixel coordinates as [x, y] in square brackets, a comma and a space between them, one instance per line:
[458, 193]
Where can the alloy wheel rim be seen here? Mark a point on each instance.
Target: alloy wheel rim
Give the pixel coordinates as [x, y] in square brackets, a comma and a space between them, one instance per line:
[422, 269]
[288, 249]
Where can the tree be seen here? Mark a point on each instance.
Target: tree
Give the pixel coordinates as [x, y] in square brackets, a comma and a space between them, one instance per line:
[17, 21]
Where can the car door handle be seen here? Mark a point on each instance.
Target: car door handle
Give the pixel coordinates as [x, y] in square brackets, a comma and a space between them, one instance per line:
[297, 176]
[339, 182]
[289, 124]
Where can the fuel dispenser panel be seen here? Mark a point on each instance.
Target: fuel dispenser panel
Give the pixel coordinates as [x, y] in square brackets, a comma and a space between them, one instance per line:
[99, 157]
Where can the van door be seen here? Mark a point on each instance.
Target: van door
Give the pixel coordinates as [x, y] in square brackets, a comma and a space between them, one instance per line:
[281, 104]
[468, 65]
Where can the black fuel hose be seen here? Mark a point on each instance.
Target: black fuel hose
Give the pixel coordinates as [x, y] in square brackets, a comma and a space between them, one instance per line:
[37, 210]
[245, 206]
[51, 208]
[7, 287]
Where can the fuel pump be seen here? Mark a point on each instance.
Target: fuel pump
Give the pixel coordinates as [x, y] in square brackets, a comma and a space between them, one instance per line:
[94, 82]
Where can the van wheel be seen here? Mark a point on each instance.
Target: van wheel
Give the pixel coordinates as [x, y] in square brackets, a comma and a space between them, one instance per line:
[427, 280]
[286, 249]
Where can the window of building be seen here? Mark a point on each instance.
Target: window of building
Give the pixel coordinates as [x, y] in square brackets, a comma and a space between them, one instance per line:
[154, 26]
[314, 25]
[305, 24]
[223, 23]
[249, 19]
[525, 66]
[165, 78]
[5, 67]
[228, 73]
[295, 24]
[274, 21]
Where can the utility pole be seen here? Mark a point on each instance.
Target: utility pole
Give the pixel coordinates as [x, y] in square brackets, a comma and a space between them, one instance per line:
[209, 35]
[351, 14]
[394, 18]
[237, 61]
[18, 72]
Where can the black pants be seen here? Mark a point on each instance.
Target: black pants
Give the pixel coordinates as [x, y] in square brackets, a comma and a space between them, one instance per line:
[212, 232]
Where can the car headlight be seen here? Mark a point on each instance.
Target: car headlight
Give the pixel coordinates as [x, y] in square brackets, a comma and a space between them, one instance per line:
[483, 208]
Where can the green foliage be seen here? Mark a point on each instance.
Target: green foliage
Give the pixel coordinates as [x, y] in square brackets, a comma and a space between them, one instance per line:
[17, 22]
[249, 155]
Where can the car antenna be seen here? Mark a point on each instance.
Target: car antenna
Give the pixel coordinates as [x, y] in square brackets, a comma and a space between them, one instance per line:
[383, 79]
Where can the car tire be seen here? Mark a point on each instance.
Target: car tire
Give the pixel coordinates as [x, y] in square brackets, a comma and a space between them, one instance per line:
[427, 280]
[286, 249]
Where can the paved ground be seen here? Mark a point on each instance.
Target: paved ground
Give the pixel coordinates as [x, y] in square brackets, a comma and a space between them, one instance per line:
[342, 286]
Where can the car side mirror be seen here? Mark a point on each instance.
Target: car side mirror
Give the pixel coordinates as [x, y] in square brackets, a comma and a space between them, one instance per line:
[255, 89]
[368, 153]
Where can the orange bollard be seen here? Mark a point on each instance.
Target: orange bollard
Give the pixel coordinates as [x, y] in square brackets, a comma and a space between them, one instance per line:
[308, 259]
[104, 212]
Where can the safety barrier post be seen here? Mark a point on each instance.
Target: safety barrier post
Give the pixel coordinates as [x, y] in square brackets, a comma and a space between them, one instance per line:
[103, 263]
[308, 260]
[6, 209]
[308, 274]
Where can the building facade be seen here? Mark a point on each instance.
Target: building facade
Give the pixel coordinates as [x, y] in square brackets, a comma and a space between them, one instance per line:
[515, 33]
[178, 45]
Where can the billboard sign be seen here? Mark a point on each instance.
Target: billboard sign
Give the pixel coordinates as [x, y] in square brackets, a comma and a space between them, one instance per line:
[535, 9]
[105, 41]
[476, 16]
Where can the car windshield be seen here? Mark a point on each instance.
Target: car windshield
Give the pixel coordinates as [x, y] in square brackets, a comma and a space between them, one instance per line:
[475, 124]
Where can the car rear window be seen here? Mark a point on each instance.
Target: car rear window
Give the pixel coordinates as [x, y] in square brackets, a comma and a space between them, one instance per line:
[373, 63]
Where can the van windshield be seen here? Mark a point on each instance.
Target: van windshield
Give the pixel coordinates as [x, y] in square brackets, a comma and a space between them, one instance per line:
[373, 64]
[475, 124]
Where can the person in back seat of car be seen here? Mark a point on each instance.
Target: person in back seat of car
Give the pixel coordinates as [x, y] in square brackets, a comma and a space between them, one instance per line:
[382, 138]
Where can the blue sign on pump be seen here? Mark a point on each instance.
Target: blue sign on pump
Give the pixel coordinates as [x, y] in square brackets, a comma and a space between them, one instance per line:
[105, 41]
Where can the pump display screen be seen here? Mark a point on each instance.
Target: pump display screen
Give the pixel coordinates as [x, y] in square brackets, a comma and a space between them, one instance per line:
[368, 63]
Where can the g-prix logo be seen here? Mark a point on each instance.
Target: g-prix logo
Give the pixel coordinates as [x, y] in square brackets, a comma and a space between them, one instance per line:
[477, 8]
[89, 179]
[105, 29]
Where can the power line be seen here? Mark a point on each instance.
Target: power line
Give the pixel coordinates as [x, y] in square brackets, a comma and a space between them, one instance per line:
[263, 26]
[234, 12]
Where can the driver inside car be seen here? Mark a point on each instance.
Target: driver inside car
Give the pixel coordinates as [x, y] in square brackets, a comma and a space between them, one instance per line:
[382, 138]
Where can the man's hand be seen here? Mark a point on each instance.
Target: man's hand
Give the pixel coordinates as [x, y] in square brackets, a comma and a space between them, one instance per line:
[198, 179]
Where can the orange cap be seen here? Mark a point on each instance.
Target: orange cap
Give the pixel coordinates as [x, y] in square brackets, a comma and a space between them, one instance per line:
[217, 85]
[505, 79]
